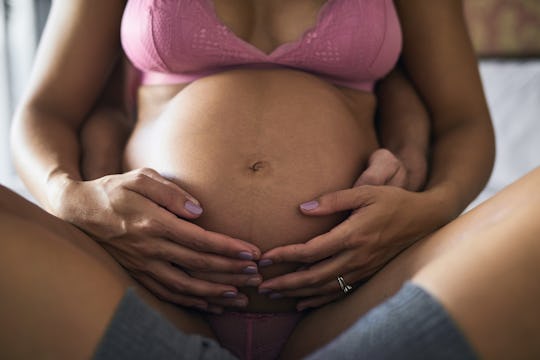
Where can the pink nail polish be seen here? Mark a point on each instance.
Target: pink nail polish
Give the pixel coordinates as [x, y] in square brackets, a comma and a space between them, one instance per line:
[265, 262]
[245, 255]
[310, 205]
[230, 294]
[275, 296]
[193, 208]
[250, 270]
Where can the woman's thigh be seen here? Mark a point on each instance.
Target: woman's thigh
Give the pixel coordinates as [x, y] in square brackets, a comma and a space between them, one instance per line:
[54, 278]
[481, 267]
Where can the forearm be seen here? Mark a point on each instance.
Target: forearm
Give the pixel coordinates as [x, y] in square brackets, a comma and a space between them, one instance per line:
[71, 67]
[458, 153]
[50, 150]
[45, 151]
[105, 130]
[403, 125]
[439, 57]
[103, 139]
[462, 158]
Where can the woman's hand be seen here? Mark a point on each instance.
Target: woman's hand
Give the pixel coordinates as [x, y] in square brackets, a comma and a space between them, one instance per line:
[138, 217]
[384, 221]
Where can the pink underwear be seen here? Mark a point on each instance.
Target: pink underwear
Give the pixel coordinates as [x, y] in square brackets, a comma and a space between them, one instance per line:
[254, 335]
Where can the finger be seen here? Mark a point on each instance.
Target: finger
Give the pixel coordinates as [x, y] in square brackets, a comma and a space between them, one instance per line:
[399, 179]
[198, 239]
[229, 279]
[340, 200]
[324, 289]
[317, 275]
[382, 165]
[194, 260]
[159, 222]
[239, 302]
[163, 192]
[330, 287]
[355, 279]
[215, 309]
[162, 293]
[317, 301]
[178, 281]
[316, 249]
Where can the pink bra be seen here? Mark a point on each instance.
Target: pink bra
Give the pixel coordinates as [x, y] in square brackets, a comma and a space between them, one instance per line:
[354, 43]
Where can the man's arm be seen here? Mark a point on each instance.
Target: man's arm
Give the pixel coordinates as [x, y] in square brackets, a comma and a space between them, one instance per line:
[105, 131]
[403, 126]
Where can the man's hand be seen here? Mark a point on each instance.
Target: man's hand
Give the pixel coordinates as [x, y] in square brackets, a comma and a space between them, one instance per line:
[386, 168]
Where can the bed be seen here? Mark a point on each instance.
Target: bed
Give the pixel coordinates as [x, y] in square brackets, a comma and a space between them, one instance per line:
[506, 35]
[513, 93]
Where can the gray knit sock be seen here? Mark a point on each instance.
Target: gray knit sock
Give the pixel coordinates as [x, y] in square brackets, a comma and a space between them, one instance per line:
[409, 325]
[138, 332]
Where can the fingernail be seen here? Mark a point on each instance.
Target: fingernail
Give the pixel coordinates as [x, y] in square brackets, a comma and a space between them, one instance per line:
[230, 294]
[193, 208]
[275, 296]
[300, 308]
[264, 291]
[265, 262]
[310, 205]
[245, 255]
[250, 270]
[254, 281]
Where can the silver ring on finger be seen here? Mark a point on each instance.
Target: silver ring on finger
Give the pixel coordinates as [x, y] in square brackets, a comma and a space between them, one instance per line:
[343, 285]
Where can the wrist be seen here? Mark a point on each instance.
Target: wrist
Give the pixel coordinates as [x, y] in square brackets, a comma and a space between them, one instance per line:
[414, 158]
[441, 203]
[59, 187]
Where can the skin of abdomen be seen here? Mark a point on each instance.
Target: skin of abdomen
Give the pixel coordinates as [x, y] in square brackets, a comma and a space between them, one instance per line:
[251, 146]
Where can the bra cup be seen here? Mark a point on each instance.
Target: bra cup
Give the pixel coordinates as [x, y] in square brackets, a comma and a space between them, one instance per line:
[203, 44]
[354, 43]
[391, 43]
[137, 41]
[165, 28]
[343, 47]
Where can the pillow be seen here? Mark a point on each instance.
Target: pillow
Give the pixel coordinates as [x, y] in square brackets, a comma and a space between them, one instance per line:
[504, 28]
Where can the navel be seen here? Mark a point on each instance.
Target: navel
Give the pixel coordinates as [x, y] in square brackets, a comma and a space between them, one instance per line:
[258, 166]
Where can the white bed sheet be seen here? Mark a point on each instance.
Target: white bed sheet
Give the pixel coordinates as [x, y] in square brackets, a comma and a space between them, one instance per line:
[513, 94]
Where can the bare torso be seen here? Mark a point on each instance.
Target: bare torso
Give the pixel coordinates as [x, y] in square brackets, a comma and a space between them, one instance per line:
[251, 145]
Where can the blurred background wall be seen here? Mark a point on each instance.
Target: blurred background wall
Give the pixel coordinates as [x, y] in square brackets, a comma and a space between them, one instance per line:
[21, 23]
[504, 27]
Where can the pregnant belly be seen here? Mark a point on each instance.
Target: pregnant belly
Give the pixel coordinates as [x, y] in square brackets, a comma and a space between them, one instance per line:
[251, 145]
